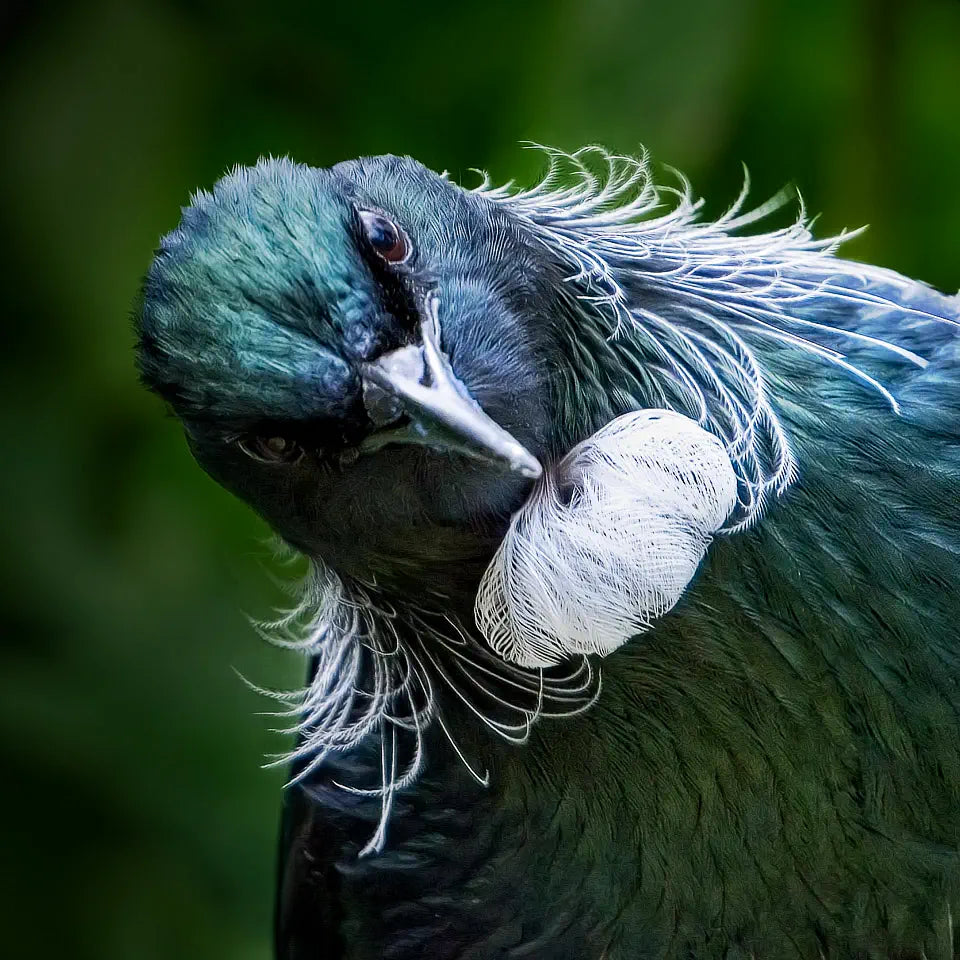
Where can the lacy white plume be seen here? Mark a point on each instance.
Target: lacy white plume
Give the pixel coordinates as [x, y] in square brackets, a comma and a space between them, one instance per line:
[377, 673]
[364, 684]
[608, 540]
[685, 293]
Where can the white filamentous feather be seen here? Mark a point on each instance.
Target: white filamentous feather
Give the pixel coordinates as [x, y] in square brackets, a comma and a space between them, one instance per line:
[373, 681]
[608, 540]
[365, 683]
[706, 289]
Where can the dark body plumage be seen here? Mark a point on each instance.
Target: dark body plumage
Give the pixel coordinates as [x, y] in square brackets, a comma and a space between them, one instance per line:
[773, 770]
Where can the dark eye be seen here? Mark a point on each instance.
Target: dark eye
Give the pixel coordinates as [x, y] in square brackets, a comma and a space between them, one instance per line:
[385, 237]
[271, 449]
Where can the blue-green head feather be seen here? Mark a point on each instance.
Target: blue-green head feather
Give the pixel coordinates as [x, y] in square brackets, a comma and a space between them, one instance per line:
[242, 303]
[262, 307]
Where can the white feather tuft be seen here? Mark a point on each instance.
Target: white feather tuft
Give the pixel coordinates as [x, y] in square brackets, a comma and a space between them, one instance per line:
[608, 541]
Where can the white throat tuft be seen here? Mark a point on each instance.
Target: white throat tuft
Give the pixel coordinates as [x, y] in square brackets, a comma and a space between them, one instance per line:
[608, 541]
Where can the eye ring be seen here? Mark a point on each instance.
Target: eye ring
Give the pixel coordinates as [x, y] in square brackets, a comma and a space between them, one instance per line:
[270, 449]
[388, 240]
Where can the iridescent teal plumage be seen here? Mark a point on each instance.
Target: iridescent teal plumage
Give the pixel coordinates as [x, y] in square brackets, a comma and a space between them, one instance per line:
[773, 770]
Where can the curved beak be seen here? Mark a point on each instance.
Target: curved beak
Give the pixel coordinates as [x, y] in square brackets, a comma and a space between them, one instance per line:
[419, 382]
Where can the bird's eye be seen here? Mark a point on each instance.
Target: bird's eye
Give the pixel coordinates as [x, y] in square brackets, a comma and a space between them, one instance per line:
[389, 241]
[276, 449]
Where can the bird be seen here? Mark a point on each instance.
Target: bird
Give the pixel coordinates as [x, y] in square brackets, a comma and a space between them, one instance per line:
[631, 625]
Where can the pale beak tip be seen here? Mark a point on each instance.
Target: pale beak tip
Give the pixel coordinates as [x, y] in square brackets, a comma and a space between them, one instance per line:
[527, 465]
[421, 382]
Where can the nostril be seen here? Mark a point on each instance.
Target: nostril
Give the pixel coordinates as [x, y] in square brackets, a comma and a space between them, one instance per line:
[383, 407]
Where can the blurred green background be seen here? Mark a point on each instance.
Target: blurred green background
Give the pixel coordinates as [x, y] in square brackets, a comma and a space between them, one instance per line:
[137, 823]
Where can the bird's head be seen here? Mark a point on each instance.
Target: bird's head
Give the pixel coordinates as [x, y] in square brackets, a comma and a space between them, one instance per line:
[351, 351]
[383, 364]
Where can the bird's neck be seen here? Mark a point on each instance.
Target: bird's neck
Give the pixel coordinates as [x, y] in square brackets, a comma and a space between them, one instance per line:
[399, 670]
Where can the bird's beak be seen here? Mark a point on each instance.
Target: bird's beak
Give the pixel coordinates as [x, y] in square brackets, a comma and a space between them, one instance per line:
[418, 381]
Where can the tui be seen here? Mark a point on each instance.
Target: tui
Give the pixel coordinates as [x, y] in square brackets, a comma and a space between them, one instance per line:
[634, 542]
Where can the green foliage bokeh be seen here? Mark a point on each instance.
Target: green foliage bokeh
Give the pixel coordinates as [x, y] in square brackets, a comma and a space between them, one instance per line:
[137, 823]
